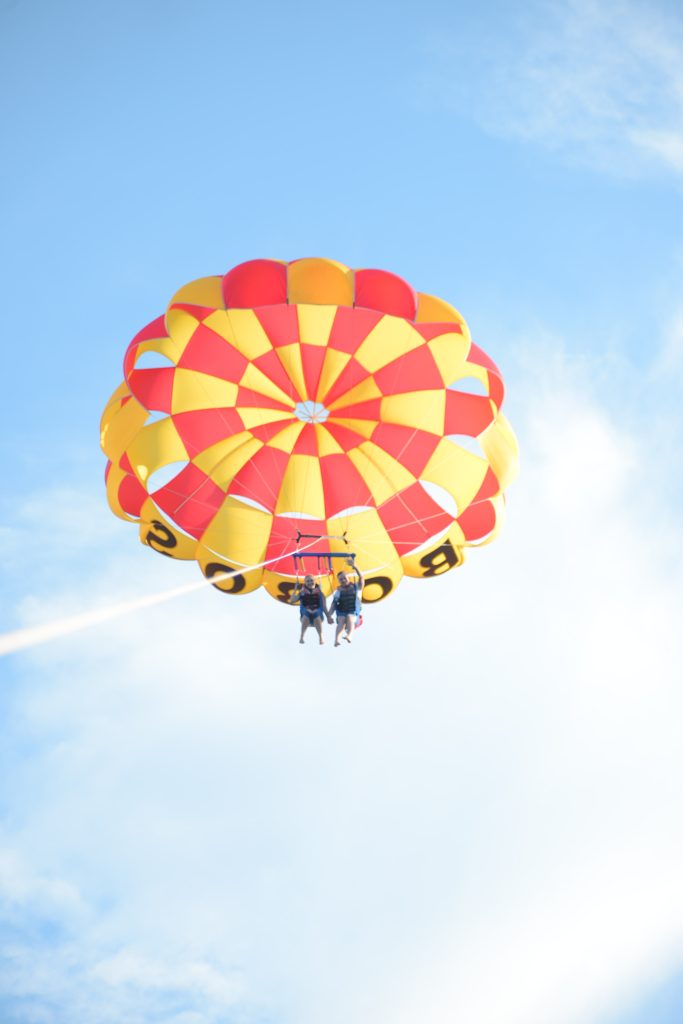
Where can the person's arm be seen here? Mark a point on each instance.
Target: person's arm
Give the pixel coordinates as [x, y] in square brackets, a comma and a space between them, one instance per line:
[296, 596]
[361, 578]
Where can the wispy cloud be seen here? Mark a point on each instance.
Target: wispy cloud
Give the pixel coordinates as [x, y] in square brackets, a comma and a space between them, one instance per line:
[58, 963]
[468, 817]
[668, 366]
[600, 82]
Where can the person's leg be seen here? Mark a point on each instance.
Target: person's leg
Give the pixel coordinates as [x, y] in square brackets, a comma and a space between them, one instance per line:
[340, 626]
[349, 626]
[304, 626]
[318, 622]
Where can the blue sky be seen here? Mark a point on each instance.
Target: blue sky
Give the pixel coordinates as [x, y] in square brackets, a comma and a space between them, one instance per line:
[202, 823]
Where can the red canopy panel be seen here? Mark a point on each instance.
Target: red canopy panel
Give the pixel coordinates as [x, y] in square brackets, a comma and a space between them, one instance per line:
[343, 486]
[412, 448]
[412, 517]
[153, 388]
[351, 327]
[312, 358]
[132, 495]
[380, 289]
[255, 283]
[477, 521]
[260, 479]
[496, 387]
[352, 374]
[281, 324]
[191, 500]
[205, 427]
[467, 414]
[414, 371]
[209, 353]
[270, 365]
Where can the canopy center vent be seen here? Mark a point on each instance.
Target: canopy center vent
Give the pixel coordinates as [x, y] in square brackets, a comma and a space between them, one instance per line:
[311, 412]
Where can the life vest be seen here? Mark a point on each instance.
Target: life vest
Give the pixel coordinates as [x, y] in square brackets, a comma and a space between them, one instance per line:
[347, 599]
[311, 600]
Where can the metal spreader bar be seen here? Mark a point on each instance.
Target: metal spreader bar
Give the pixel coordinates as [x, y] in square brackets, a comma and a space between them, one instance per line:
[324, 558]
[320, 536]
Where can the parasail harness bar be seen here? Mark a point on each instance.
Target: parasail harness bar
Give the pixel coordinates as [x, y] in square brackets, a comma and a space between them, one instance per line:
[324, 557]
[321, 536]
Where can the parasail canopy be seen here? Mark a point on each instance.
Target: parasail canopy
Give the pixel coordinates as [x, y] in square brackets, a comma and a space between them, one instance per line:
[307, 398]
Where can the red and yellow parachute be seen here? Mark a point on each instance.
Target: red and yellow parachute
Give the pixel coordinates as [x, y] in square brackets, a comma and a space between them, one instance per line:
[308, 398]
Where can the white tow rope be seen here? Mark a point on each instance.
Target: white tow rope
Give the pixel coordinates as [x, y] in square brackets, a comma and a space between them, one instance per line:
[31, 636]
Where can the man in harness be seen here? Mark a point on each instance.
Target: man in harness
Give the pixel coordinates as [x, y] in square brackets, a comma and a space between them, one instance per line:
[312, 607]
[346, 603]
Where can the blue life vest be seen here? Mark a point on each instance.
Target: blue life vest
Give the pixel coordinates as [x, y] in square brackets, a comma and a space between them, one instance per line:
[347, 599]
[311, 600]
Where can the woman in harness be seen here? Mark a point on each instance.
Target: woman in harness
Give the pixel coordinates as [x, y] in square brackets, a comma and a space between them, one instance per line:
[346, 603]
[312, 607]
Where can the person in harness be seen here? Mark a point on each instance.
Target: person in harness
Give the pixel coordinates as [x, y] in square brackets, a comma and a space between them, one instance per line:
[312, 607]
[346, 603]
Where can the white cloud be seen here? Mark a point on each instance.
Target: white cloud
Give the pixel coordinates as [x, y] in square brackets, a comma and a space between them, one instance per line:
[602, 82]
[20, 888]
[128, 968]
[467, 815]
[665, 145]
[668, 367]
[50, 517]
